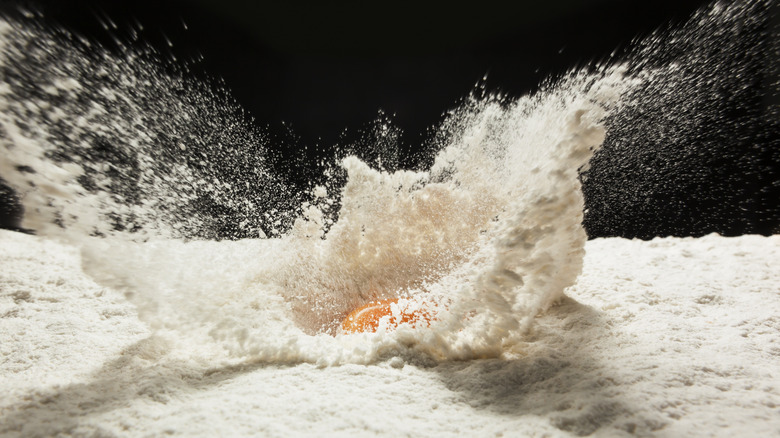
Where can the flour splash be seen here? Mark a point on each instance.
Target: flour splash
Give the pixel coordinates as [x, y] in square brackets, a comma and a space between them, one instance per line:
[140, 168]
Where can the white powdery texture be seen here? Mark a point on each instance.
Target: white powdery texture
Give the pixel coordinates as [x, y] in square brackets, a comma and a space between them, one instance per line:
[672, 337]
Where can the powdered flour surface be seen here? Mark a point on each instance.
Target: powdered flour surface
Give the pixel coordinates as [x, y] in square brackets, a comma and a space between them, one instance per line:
[671, 337]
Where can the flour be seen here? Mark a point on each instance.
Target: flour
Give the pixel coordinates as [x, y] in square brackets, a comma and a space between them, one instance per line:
[666, 337]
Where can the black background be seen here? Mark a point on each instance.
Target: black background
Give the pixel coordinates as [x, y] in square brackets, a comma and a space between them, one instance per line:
[326, 71]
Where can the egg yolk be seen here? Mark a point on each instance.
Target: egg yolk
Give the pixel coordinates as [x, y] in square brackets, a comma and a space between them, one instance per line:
[366, 318]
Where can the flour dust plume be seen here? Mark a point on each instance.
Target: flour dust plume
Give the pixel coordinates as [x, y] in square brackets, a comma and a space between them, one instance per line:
[151, 173]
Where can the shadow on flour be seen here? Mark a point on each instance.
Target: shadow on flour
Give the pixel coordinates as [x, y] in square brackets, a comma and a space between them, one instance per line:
[136, 375]
[559, 378]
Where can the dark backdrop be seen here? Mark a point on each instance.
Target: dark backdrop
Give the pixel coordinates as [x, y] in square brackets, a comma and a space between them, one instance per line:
[326, 71]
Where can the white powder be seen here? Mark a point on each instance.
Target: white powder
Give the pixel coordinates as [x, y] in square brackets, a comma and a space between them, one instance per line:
[672, 337]
[492, 232]
[124, 327]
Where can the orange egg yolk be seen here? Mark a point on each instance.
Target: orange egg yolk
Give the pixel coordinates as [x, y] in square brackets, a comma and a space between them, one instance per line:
[366, 318]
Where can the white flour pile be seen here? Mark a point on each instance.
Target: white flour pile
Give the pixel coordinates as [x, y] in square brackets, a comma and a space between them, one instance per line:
[672, 337]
